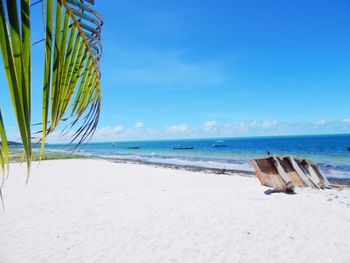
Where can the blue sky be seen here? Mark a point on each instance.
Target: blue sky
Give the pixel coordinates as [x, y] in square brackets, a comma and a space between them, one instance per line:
[183, 69]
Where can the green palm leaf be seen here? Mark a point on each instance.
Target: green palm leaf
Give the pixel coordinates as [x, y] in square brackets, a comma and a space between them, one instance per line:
[71, 79]
[14, 37]
[73, 75]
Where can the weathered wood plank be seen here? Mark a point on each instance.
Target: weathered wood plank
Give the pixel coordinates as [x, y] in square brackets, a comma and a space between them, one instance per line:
[287, 172]
[258, 172]
[301, 174]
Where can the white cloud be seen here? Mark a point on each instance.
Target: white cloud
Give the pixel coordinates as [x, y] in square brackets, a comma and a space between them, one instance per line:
[210, 126]
[139, 125]
[254, 124]
[269, 124]
[177, 128]
[109, 132]
[235, 128]
[322, 123]
[346, 121]
[152, 131]
[138, 131]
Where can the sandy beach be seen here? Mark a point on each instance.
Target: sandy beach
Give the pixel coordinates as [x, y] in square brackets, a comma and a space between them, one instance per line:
[100, 211]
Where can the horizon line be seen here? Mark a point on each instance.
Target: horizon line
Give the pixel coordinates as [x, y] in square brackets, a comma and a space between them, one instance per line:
[212, 138]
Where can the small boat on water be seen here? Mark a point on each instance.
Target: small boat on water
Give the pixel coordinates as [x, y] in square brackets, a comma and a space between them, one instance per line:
[133, 148]
[219, 145]
[182, 147]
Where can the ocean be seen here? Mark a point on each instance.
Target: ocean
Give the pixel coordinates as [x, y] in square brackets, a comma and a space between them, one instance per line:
[331, 152]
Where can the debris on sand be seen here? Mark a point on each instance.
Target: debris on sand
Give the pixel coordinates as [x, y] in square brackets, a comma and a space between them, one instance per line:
[284, 173]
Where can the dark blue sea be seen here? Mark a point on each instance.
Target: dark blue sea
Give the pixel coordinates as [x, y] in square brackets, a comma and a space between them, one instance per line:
[331, 152]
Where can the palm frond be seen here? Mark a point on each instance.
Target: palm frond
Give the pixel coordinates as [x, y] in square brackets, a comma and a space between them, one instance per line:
[72, 73]
[15, 50]
[71, 79]
[4, 149]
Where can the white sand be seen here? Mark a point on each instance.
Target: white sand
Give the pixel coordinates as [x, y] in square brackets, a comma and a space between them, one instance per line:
[98, 211]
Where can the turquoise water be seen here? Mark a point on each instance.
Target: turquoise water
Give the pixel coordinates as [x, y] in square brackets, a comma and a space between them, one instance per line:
[329, 151]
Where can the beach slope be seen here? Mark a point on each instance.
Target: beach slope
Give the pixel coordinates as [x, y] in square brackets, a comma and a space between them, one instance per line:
[99, 211]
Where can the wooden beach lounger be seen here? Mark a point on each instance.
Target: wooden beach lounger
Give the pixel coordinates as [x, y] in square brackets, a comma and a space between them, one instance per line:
[283, 173]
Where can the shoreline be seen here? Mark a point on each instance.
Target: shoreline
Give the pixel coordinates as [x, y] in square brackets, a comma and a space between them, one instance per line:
[191, 168]
[206, 170]
[64, 154]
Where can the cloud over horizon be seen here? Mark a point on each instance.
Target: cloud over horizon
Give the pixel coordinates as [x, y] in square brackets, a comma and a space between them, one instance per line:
[139, 125]
[210, 128]
[177, 128]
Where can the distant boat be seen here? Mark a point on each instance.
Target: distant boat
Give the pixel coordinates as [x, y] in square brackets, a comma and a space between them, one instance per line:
[114, 144]
[134, 148]
[219, 145]
[182, 147]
